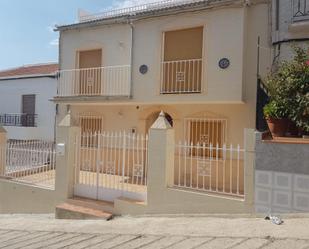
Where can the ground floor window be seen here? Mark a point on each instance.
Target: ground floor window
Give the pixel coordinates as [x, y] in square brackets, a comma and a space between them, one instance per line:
[206, 131]
[206, 134]
[90, 125]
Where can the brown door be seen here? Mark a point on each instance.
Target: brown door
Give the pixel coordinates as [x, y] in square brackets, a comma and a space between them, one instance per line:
[90, 75]
[28, 110]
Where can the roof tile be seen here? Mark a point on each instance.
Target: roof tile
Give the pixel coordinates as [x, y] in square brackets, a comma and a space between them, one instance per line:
[37, 69]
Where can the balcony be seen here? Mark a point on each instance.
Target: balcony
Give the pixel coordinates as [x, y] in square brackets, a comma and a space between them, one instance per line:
[20, 120]
[111, 81]
[300, 10]
[180, 77]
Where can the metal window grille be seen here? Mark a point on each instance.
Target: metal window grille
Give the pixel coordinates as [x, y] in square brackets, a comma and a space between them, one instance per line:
[206, 131]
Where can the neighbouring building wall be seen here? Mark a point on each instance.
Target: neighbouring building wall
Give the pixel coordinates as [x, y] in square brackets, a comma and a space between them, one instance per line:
[290, 25]
[281, 177]
[11, 102]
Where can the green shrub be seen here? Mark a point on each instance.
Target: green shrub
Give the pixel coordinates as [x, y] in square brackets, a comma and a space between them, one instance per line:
[273, 110]
[289, 89]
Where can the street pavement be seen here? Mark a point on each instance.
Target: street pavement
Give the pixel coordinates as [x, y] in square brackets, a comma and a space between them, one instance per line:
[43, 231]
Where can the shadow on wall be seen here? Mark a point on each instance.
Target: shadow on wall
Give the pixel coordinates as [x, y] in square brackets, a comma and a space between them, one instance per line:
[281, 177]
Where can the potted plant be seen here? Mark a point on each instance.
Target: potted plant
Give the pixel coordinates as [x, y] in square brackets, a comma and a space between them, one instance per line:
[289, 92]
[276, 118]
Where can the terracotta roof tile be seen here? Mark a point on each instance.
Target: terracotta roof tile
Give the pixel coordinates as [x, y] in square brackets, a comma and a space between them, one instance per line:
[30, 70]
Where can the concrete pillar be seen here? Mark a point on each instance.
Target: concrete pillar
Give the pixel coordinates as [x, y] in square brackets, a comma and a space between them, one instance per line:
[3, 142]
[65, 168]
[161, 158]
[249, 167]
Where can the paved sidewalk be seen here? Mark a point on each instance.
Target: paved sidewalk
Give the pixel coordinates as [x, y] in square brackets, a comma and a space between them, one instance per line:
[43, 231]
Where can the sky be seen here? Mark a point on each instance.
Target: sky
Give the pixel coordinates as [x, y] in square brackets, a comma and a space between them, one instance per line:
[26, 27]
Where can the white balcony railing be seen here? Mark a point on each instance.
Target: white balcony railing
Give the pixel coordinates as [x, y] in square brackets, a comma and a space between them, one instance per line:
[183, 76]
[101, 81]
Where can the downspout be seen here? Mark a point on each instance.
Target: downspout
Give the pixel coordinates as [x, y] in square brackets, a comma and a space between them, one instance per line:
[131, 57]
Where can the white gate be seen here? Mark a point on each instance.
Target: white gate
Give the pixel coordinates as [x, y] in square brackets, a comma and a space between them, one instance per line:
[109, 165]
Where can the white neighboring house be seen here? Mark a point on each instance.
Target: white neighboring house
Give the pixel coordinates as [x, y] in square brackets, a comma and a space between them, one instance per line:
[26, 111]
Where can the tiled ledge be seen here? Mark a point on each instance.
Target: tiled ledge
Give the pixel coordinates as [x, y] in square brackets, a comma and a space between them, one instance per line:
[266, 138]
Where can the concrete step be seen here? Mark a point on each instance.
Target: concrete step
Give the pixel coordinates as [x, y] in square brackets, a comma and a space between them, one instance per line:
[82, 209]
[90, 203]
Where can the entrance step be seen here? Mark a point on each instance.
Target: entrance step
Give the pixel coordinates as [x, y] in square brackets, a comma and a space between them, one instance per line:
[90, 203]
[81, 208]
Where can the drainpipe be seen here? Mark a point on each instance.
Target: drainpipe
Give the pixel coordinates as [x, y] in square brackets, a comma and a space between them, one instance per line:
[131, 57]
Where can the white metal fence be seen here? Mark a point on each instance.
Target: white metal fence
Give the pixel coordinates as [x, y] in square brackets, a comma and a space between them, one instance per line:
[31, 144]
[29, 161]
[209, 168]
[100, 81]
[183, 76]
[110, 165]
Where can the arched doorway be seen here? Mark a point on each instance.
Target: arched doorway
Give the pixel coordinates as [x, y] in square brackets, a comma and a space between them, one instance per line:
[153, 117]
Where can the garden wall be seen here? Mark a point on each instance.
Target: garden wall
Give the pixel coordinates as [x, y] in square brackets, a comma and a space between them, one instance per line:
[281, 176]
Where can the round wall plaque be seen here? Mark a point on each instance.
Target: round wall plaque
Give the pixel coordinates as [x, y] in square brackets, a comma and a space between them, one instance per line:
[224, 63]
[143, 69]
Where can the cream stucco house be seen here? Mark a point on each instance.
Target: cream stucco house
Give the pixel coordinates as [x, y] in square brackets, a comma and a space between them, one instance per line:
[195, 60]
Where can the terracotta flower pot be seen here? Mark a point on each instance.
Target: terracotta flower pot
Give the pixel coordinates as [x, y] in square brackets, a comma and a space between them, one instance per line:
[292, 130]
[277, 127]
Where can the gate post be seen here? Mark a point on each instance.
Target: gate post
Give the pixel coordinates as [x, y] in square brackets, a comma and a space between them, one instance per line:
[65, 158]
[161, 159]
[249, 167]
[3, 142]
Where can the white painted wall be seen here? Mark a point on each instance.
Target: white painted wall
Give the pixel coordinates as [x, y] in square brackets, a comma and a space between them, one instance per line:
[44, 88]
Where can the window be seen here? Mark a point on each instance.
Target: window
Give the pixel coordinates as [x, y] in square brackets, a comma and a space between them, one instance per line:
[90, 125]
[28, 110]
[206, 132]
[90, 73]
[300, 10]
[182, 61]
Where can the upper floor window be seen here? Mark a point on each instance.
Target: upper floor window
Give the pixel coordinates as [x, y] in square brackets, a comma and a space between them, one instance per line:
[91, 78]
[300, 10]
[90, 73]
[182, 61]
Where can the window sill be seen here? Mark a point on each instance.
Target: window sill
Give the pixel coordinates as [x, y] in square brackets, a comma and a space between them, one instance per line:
[285, 140]
[299, 26]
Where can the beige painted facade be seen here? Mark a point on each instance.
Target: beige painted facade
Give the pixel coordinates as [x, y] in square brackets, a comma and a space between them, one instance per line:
[228, 31]
[140, 118]
[228, 95]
